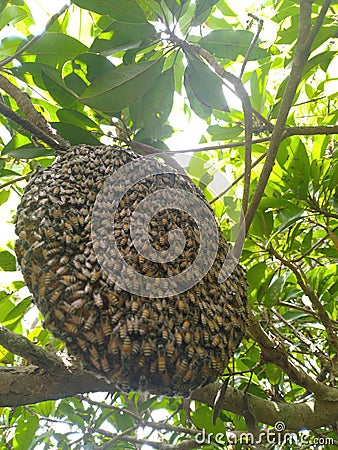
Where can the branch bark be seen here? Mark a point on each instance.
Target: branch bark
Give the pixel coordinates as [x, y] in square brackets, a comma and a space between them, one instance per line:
[31, 384]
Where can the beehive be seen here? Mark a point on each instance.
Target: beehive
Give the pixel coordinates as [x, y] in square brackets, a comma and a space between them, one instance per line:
[161, 343]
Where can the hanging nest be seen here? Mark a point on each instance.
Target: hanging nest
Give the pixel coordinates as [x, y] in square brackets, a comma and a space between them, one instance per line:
[165, 342]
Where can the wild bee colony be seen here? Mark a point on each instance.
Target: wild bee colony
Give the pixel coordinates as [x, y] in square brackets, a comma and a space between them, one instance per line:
[163, 344]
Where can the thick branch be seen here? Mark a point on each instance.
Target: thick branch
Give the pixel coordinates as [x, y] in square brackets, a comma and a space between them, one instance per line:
[35, 118]
[20, 345]
[28, 126]
[26, 385]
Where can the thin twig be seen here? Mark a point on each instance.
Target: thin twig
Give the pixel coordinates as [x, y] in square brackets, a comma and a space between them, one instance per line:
[316, 303]
[253, 42]
[258, 160]
[241, 94]
[23, 177]
[28, 44]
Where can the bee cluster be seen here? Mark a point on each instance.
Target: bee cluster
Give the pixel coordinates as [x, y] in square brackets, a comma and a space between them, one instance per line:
[165, 344]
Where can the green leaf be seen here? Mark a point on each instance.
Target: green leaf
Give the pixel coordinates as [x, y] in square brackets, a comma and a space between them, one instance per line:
[11, 15]
[4, 196]
[91, 66]
[201, 110]
[119, 37]
[28, 152]
[27, 426]
[121, 87]
[78, 119]
[158, 101]
[202, 11]
[297, 170]
[74, 134]
[127, 11]
[7, 261]
[58, 90]
[206, 86]
[17, 313]
[219, 133]
[55, 49]
[274, 292]
[231, 43]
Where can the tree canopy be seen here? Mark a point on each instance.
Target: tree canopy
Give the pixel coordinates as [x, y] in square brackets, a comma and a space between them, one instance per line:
[260, 82]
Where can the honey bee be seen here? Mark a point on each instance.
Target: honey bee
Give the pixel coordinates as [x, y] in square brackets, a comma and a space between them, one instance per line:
[68, 279]
[123, 331]
[82, 344]
[98, 300]
[126, 346]
[77, 304]
[49, 233]
[170, 349]
[148, 348]
[146, 312]
[114, 348]
[153, 366]
[106, 327]
[187, 376]
[187, 337]
[54, 296]
[68, 227]
[216, 341]
[99, 336]
[181, 367]
[134, 306]
[90, 336]
[135, 348]
[185, 325]
[141, 361]
[201, 352]
[95, 357]
[178, 337]
[95, 275]
[105, 364]
[71, 328]
[190, 351]
[112, 299]
[161, 364]
[64, 260]
[165, 334]
[203, 319]
[90, 322]
[59, 315]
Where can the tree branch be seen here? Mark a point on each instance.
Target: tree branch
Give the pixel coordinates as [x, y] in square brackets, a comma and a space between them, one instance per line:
[28, 126]
[305, 40]
[34, 117]
[20, 345]
[26, 385]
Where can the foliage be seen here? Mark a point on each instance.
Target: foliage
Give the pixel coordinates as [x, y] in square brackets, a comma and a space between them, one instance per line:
[118, 70]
